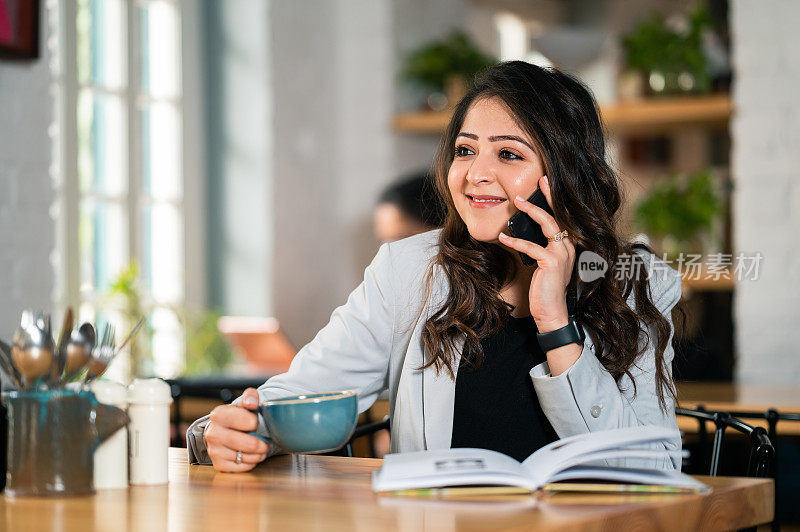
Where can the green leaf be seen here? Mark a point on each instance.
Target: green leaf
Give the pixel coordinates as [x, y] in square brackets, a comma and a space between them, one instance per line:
[683, 207]
[433, 63]
[653, 46]
[207, 350]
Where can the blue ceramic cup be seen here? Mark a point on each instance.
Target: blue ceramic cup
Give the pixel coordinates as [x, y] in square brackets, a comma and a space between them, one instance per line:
[314, 423]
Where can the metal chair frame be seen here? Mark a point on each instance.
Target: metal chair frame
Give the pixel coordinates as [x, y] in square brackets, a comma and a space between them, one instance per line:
[367, 429]
[762, 453]
[762, 461]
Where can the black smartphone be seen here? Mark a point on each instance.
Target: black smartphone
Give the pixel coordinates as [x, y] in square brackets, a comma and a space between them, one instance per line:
[522, 226]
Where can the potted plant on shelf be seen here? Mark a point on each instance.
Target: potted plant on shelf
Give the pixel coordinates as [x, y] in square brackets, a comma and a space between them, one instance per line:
[445, 68]
[679, 213]
[667, 55]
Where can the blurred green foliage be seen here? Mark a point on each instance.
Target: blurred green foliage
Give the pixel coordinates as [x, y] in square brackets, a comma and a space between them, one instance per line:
[653, 45]
[125, 288]
[682, 207]
[456, 55]
[207, 351]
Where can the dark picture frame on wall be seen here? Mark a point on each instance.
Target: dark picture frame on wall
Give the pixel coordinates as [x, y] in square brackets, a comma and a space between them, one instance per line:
[19, 29]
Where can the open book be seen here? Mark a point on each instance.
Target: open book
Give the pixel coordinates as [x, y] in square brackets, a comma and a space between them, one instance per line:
[570, 459]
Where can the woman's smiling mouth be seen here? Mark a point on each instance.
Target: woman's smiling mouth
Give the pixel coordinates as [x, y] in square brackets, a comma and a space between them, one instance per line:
[479, 201]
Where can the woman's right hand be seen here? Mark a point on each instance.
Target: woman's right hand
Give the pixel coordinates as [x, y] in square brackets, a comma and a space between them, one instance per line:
[226, 435]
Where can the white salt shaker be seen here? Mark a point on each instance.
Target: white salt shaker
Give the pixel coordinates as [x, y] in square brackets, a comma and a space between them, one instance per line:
[148, 408]
[111, 458]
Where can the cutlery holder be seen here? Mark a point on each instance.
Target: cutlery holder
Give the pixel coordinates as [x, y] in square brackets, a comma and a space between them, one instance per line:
[52, 436]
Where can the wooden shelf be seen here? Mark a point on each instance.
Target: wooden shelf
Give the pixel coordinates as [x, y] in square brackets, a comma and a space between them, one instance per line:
[705, 282]
[642, 115]
[431, 122]
[657, 114]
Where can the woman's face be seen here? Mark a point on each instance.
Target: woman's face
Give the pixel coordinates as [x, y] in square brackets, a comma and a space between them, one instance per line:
[495, 160]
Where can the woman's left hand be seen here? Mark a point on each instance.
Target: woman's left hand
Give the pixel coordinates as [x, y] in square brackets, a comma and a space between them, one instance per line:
[548, 291]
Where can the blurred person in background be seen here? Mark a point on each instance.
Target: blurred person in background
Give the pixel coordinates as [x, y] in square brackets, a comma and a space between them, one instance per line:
[407, 207]
[475, 347]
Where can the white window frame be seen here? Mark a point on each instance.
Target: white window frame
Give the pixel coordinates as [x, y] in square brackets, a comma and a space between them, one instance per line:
[65, 89]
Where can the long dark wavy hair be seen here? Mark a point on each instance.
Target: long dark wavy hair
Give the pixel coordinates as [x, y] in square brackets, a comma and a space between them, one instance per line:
[563, 119]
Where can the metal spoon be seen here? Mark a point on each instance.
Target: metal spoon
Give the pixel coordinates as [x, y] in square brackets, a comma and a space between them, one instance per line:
[33, 347]
[79, 350]
[102, 355]
[20, 341]
[42, 335]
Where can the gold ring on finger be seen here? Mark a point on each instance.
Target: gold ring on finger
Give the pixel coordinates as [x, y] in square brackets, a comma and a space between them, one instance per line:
[238, 457]
[558, 236]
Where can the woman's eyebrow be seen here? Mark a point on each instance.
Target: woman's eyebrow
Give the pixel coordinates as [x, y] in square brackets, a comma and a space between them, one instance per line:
[495, 138]
[511, 137]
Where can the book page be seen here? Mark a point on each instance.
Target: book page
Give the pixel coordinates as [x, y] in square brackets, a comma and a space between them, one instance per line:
[658, 477]
[593, 459]
[448, 467]
[555, 456]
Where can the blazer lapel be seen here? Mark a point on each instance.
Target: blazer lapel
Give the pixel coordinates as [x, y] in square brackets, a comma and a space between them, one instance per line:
[438, 390]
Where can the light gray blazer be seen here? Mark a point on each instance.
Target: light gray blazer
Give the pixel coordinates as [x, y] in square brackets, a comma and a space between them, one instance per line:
[374, 343]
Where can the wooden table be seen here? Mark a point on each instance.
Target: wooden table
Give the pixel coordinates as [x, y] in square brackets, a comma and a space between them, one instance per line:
[331, 493]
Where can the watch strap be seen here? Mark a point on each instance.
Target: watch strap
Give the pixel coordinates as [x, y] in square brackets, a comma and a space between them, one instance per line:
[572, 332]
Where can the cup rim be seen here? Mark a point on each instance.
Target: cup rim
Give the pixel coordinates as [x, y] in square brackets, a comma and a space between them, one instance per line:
[309, 398]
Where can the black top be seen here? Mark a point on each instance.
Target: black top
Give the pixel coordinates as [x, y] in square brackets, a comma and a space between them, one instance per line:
[496, 406]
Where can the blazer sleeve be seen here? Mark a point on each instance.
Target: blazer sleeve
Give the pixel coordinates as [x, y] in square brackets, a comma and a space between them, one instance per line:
[586, 398]
[350, 353]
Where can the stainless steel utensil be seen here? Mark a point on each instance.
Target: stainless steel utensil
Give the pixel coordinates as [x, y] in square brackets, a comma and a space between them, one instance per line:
[20, 341]
[7, 365]
[33, 347]
[100, 363]
[79, 350]
[60, 354]
[130, 336]
[102, 355]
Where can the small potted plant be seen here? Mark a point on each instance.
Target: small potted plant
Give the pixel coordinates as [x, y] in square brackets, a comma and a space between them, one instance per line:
[679, 213]
[124, 295]
[667, 55]
[446, 68]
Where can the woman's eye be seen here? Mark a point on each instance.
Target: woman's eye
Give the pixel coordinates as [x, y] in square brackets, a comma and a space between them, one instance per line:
[505, 154]
[462, 151]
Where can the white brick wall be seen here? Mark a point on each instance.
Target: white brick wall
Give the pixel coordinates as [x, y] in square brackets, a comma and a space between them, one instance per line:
[26, 229]
[766, 202]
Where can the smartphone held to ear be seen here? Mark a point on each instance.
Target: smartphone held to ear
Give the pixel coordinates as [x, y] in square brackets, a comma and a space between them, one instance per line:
[522, 226]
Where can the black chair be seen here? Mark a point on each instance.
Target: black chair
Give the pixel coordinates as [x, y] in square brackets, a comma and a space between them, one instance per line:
[762, 453]
[367, 429]
[761, 463]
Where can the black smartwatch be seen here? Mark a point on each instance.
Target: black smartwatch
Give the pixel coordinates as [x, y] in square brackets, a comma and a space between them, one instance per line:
[572, 332]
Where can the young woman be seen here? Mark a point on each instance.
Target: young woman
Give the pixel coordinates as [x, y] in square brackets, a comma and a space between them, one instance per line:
[475, 348]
